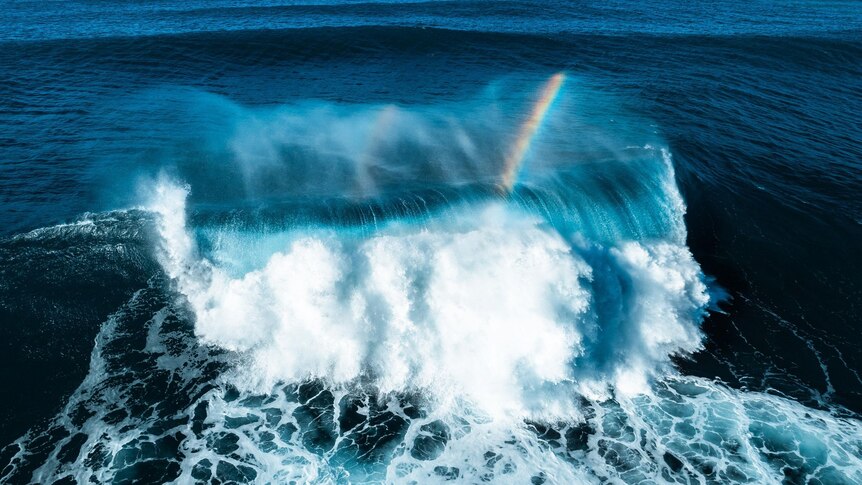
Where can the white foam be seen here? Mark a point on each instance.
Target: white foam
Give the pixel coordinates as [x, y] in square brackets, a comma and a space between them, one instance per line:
[687, 428]
[488, 305]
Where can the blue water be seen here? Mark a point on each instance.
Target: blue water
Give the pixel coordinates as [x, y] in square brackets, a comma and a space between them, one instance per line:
[238, 239]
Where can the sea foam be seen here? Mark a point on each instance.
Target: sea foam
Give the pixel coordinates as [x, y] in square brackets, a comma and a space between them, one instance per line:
[488, 304]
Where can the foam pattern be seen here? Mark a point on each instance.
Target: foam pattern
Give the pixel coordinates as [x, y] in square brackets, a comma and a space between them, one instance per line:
[174, 415]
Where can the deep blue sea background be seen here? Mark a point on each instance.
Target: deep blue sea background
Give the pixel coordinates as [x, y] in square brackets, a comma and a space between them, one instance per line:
[760, 104]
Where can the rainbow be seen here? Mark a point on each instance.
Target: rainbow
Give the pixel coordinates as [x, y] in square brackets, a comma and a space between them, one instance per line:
[515, 159]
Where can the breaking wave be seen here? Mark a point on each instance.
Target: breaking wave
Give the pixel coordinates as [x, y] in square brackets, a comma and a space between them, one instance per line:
[513, 299]
[489, 305]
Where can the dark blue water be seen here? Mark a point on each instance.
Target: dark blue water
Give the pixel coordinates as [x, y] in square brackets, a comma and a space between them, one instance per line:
[386, 125]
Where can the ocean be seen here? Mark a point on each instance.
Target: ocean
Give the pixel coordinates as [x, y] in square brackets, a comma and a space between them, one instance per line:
[426, 242]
